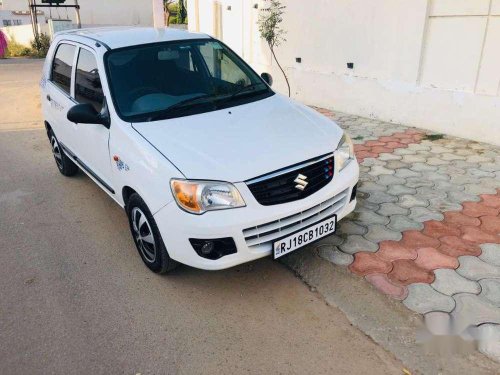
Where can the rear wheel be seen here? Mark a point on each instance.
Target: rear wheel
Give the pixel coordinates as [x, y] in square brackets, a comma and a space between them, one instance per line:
[147, 237]
[65, 165]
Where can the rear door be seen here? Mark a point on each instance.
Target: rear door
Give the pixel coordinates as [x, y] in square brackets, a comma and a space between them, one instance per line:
[58, 93]
[91, 140]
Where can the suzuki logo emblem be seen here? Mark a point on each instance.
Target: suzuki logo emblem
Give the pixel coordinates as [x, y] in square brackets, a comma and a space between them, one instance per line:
[301, 182]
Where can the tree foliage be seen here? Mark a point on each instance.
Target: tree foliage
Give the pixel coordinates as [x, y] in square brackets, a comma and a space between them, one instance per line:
[270, 19]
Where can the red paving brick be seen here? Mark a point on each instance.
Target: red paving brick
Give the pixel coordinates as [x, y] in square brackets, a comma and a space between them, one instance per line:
[374, 143]
[386, 286]
[366, 263]
[455, 246]
[365, 154]
[458, 219]
[476, 235]
[477, 209]
[491, 200]
[386, 144]
[381, 149]
[361, 148]
[490, 224]
[437, 229]
[431, 259]
[413, 132]
[392, 250]
[387, 139]
[405, 272]
[414, 239]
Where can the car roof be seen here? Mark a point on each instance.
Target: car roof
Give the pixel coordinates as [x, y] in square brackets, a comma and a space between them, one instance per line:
[124, 36]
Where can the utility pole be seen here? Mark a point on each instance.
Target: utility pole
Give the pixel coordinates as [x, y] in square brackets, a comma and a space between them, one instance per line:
[78, 20]
[34, 20]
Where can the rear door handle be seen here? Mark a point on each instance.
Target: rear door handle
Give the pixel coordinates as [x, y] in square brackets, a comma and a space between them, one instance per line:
[48, 98]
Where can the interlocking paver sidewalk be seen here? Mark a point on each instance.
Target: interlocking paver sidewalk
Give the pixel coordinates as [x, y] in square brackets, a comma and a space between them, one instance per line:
[427, 226]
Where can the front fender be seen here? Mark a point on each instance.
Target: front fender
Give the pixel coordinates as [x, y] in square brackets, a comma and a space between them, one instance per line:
[138, 165]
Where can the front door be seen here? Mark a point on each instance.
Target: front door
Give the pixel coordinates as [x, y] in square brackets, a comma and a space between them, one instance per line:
[92, 140]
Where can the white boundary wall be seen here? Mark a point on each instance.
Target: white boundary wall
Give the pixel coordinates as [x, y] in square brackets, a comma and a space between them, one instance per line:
[434, 64]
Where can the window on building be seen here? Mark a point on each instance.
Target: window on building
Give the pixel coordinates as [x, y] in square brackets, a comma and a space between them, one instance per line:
[17, 22]
[88, 87]
[7, 22]
[62, 66]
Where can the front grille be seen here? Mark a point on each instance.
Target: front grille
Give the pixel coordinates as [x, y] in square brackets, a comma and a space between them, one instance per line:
[262, 236]
[293, 183]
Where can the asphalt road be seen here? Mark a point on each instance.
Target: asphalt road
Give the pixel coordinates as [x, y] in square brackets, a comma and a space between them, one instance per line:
[75, 297]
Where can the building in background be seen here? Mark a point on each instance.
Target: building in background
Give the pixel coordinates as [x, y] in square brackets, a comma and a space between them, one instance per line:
[92, 13]
[98, 12]
[18, 17]
[434, 64]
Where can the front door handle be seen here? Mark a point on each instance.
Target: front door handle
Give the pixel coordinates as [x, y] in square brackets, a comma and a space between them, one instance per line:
[49, 98]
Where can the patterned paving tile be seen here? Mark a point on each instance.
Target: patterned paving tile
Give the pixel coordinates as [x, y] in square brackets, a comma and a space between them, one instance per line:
[424, 299]
[431, 209]
[449, 282]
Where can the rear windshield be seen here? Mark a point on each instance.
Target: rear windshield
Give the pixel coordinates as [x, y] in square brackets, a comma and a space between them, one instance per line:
[173, 79]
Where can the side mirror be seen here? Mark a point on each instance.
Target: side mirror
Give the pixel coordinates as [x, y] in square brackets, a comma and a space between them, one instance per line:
[268, 78]
[85, 113]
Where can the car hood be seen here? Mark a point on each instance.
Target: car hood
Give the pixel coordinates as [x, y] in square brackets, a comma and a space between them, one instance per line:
[239, 143]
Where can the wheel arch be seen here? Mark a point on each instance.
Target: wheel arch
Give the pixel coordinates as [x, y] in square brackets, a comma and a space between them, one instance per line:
[127, 192]
[48, 128]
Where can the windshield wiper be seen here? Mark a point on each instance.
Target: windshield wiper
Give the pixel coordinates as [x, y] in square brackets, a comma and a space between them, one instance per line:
[241, 90]
[183, 103]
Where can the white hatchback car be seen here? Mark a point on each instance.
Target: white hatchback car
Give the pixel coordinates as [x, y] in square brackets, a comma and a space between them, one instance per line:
[212, 167]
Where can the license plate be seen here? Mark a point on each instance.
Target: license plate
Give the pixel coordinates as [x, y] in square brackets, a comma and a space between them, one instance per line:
[304, 237]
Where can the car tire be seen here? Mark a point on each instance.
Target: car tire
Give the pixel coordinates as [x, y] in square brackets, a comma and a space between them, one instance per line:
[65, 165]
[147, 237]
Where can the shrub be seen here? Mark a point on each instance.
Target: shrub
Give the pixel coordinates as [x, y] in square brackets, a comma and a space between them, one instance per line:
[40, 45]
[14, 49]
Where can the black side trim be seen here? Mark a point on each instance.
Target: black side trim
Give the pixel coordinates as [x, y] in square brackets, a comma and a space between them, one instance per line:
[98, 42]
[87, 169]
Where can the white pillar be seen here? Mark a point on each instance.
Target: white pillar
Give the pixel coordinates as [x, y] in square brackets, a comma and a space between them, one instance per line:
[158, 13]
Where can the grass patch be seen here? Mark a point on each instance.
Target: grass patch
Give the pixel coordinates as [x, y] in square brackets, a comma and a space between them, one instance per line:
[433, 137]
[358, 138]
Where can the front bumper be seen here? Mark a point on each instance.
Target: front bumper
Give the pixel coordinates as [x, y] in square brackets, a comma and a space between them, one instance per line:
[243, 224]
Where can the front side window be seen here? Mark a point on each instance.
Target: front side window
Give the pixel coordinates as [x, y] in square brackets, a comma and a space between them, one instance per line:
[173, 79]
[62, 66]
[88, 88]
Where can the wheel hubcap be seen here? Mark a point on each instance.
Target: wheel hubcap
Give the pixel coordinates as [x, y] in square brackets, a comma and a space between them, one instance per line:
[143, 235]
[56, 151]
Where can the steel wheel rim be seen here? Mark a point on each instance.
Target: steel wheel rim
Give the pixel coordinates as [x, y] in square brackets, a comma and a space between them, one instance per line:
[56, 151]
[143, 235]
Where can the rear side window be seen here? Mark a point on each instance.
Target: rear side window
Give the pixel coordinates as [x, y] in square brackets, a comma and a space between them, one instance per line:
[61, 67]
[88, 88]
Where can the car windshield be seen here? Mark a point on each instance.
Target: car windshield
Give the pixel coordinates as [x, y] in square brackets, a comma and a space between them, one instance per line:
[173, 79]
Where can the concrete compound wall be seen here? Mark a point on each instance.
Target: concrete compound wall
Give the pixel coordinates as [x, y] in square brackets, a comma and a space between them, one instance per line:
[434, 64]
[23, 34]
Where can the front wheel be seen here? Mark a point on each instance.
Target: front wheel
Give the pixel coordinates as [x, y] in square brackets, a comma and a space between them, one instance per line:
[147, 237]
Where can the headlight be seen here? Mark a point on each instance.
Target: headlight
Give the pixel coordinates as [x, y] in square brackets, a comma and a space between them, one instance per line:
[198, 197]
[345, 152]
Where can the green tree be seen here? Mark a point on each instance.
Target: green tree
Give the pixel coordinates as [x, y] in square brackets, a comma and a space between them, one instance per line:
[270, 30]
[182, 15]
